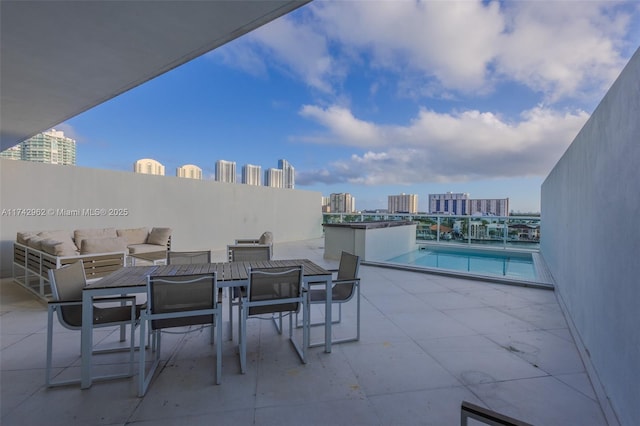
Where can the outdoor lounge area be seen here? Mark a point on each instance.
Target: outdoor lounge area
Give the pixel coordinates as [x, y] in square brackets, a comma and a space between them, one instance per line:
[427, 343]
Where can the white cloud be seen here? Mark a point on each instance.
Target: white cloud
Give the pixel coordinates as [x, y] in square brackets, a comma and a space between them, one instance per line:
[437, 147]
[563, 49]
[559, 48]
[293, 48]
[448, 50]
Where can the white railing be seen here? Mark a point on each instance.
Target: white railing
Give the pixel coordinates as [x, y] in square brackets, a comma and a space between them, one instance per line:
[506, 231]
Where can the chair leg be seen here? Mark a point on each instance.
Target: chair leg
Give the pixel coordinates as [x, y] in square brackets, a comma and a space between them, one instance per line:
[141, 366]
[145, 377]
[242, 337]
[230, 312]
[277, 322]
[348, 339]
[218, 348]
[49, 345]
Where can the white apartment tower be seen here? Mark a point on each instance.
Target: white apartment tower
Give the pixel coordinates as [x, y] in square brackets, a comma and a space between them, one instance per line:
[288, 172]
[461, 204]
[404, 203]
[226, 171]
[51, 147]
[490, 206]
[274, 178]
[449, 203]
[148, 166]
[342, 203]
[251, 174]
[189, 171]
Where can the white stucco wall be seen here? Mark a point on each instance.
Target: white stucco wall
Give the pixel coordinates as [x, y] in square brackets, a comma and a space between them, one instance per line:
[373, 244]
[590, 239]
[203, 214]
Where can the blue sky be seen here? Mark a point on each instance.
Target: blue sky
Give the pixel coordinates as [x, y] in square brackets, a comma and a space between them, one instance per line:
[378, 98]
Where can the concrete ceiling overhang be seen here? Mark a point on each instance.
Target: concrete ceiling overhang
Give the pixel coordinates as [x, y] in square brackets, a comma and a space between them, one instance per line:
[60, 58]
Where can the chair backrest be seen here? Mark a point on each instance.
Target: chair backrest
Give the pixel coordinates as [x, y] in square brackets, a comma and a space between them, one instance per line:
[181, 293]
[249, 252]
[347, 270]
[188, 257]
[269, 285]
[66, 285]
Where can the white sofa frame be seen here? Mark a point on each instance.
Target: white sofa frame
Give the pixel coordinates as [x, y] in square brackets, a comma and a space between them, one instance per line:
[31, 267]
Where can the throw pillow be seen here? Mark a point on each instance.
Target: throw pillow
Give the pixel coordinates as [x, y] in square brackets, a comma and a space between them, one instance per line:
[159, 236]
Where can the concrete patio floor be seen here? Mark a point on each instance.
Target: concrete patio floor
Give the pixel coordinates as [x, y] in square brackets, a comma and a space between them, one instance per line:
[428, 343]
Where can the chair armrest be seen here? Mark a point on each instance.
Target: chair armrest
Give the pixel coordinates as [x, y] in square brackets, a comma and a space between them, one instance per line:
[115, 299]
[64, 302]
[102, 299]
[350, 280]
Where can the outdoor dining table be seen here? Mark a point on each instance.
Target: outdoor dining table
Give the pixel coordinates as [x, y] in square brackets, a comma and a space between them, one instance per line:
[133, 279]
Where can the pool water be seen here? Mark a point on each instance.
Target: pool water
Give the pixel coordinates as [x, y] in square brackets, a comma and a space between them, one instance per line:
[515, 265]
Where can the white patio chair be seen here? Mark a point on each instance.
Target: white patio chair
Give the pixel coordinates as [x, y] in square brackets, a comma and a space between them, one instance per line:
[274, 291]
[66, 287]
[180, 301]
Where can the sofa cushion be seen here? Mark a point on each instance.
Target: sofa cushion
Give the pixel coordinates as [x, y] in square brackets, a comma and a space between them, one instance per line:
[23, 237]
[103, 245]
[61, 236]
[144, 248]
[81, 234]
[35, 242]
[59, 248]
[134, 235]
[159, 236]
[266, 238]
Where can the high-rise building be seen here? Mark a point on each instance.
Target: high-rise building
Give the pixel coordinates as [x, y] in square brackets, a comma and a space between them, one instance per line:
[449, 203]
[13, 153]
[274, 178]
[289, 174]
[490, 206]
[251, 174]
[51, 147]
[148, 166]
[404, 203]
[326, 204]
[189, 171]
[342, 203]
[226, 171]
[461, 204]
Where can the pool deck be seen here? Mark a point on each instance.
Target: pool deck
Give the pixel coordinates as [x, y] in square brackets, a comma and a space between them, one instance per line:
[428, 343]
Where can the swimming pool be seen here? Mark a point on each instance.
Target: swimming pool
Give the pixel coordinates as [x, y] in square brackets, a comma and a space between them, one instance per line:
[514, 265]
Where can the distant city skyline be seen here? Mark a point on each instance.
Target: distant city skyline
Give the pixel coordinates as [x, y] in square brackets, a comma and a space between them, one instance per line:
[362, 108]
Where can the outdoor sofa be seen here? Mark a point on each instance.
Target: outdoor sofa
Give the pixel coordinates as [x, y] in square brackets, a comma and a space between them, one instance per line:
[102, 250]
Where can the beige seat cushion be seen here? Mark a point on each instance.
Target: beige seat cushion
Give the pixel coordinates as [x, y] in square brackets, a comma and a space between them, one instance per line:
[81, 234]
[134, 235]
[145, 248]
[159, 236]
[103, 245]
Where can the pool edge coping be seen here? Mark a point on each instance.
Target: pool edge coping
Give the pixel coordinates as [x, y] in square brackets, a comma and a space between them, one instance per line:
[466, 275]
